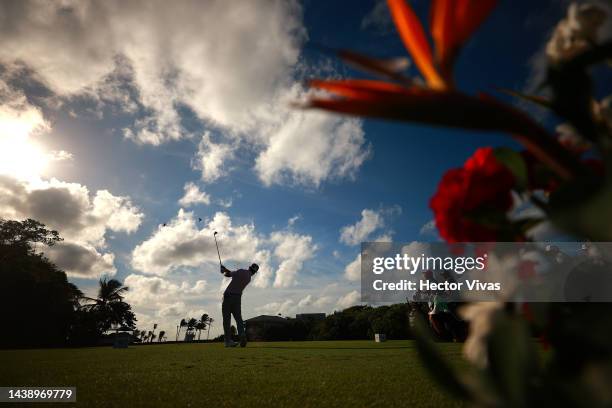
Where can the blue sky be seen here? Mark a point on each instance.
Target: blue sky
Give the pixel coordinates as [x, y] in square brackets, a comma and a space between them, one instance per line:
[136, 96]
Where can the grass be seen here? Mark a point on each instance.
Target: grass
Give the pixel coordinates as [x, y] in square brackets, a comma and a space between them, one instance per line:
[300, 374]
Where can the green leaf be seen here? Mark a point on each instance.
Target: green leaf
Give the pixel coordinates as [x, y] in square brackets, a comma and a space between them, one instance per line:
[515, 163]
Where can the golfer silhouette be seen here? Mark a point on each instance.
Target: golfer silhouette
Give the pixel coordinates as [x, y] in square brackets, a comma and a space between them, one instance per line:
[232, 302]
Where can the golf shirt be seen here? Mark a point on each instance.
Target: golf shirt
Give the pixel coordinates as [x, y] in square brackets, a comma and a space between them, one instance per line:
[240, 279]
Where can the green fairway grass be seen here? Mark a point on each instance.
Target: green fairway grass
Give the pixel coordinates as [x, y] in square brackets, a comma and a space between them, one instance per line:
[300, 374]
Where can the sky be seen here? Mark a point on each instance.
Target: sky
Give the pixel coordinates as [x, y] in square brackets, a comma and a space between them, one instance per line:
[137, 129]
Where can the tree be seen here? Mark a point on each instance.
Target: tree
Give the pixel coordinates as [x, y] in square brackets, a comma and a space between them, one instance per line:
[109, 308]
[25, 233]
[182, 324]
[201, 324]
[191, 323]
[210, 322]
[161, 336]
[33, 286]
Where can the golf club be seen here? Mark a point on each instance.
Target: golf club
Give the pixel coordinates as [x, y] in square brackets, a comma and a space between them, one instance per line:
[217, 245]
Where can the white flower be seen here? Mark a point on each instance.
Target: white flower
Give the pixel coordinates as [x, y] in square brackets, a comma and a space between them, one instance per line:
[568, 136]
[604, 111]
[578, 31]
[481, 317]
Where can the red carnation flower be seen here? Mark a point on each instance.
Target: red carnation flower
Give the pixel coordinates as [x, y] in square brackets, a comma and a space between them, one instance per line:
[483, 185]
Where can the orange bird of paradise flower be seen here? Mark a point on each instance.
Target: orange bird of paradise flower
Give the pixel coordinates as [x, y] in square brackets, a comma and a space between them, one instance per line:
[438, 102]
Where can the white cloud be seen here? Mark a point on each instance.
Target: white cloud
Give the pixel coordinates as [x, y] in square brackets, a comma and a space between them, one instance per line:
[310, 303]
[285, 308]
[378, 18]
[153, 290]
[429, 229]
[166, 300]
[354, 234]
[81, 259]
[293, 220]
[330, 146]
[200, 54]
[265, 272]
[350, 299]
[199, 288]
[352, 271]
[211, 158]
[175, 310]
[193, 196]
[81, 218]
[235, 65]
[61, 155]
[293, 250]
[288, 307]
[119, 212]
[225, 203]
[181, 243]
[307, 301]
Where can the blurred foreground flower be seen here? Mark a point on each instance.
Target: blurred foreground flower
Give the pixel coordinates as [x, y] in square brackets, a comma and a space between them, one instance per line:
[567, 180]
[439, 103]
[577, 32]
[482, 187]
[481, 317]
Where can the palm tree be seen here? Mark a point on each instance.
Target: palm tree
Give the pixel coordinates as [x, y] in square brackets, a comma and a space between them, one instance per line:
[161, 336]
[182, 324]
[210, 322]
[109, 306]
[191, 324]
[201, 324]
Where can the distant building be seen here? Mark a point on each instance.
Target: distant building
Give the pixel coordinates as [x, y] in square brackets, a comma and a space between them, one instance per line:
[310, 316]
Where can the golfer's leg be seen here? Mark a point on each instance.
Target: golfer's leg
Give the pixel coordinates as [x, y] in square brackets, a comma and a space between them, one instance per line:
[227, 318]
[237, 312]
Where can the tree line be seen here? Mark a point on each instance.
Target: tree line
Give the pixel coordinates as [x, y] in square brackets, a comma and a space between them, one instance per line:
[354, 323]
[39, 307]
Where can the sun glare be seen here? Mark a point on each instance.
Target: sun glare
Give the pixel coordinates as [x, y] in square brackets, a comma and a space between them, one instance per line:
[20, 156]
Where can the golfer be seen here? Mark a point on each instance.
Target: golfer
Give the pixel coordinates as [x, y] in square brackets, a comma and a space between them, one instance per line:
[232, 302]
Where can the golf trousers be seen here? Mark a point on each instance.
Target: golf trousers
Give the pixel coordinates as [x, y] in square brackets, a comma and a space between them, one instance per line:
[232, 306]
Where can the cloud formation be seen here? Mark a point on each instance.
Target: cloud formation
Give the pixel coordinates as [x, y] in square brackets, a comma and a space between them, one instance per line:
[292, 250]
[352, 271]
[193, 196]
[183, 243]
[211, 159]
[355, 234]
[235, 65]
[350, 299]
[82, 218]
